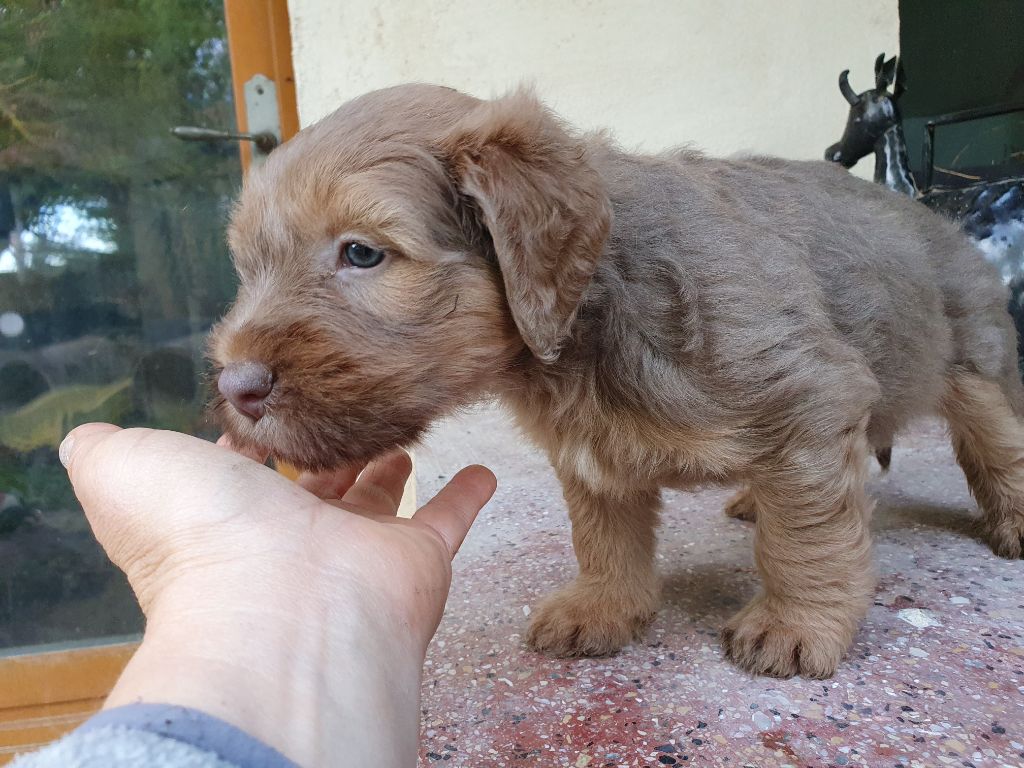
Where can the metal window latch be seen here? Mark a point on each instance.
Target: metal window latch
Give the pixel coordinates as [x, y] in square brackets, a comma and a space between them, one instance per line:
[264, 122]
[264, 142]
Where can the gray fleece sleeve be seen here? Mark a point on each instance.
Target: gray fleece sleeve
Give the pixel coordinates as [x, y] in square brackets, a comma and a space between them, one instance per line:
[156, 735]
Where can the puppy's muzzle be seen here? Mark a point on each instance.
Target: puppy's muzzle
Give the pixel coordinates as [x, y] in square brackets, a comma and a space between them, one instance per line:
[247, 386]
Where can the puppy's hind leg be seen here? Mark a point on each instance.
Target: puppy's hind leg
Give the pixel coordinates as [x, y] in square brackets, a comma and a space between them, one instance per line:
[988, 437]
[742, 505]
[614, 598]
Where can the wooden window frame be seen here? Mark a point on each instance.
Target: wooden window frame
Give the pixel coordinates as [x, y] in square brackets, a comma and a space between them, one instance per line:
[260, 42]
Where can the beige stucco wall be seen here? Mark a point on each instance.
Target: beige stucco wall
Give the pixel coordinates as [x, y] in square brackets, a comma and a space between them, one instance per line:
[725, 75]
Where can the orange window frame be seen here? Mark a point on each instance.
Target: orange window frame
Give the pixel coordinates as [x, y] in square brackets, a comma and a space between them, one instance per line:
[44, 694]
[260, 42]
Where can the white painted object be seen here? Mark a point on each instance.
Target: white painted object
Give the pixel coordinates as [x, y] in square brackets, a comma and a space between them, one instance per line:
[918, 617]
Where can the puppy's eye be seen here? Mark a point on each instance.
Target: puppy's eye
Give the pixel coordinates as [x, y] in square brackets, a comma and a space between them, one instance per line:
[359, 255]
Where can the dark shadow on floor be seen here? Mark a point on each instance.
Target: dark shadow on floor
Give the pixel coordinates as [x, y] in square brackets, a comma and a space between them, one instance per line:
[709, 592]
[902, 514]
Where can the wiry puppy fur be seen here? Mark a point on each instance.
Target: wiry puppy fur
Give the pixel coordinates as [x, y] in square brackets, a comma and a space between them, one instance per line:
[651, 320]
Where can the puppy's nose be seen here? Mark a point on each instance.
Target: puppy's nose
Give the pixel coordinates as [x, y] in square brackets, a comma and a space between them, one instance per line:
[246, 386]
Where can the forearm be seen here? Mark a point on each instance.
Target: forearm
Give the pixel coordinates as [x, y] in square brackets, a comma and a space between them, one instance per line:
[312, 693]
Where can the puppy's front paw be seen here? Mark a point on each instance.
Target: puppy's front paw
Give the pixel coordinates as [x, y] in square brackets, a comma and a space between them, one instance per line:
[1005, 536]
[764, 640]
[742, 506]
[586, 620]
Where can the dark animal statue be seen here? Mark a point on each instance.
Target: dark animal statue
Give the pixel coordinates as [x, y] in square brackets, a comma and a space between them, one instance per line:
[990, 212]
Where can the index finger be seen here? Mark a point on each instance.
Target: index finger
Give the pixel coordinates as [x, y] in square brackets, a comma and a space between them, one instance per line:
[452, 511]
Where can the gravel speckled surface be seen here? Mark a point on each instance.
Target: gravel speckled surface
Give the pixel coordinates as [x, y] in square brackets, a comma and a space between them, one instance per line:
[935, 676]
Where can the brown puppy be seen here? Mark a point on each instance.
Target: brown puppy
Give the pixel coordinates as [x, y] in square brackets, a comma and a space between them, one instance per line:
[652, 321]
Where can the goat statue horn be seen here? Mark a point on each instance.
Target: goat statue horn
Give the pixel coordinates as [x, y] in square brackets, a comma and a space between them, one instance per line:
[846, 90]
[900, 80]
[879, 63]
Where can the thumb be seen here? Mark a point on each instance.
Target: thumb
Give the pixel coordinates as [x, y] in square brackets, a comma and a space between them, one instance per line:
[83, 437]
[143, 489]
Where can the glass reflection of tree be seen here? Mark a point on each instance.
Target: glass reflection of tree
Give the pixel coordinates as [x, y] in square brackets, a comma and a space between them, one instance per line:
[112, 265]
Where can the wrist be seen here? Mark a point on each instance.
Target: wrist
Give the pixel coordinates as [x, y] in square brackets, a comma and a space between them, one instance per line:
[314, 678]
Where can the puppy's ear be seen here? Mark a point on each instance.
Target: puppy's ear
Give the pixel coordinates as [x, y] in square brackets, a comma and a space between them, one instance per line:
[544, 205]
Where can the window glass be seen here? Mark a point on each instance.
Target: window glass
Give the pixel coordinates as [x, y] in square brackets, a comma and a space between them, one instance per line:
[113, 267]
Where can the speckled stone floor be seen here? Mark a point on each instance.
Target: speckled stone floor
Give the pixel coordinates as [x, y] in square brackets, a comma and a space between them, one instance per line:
[935, 677]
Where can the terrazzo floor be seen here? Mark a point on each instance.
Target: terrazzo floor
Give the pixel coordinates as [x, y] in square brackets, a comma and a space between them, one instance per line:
[935, 677]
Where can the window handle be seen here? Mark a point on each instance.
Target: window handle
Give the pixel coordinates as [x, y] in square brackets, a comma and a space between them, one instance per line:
[264, 142]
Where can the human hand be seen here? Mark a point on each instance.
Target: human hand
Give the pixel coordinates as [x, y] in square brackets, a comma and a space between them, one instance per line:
[300, 612]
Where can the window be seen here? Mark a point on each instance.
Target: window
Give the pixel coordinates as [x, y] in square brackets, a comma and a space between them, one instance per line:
[113, 267]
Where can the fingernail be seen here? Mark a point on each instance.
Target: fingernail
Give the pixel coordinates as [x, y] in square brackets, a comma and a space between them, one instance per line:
[64, 452]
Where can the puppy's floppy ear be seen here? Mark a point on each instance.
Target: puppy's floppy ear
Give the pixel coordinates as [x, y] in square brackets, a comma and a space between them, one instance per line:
[544, 205]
